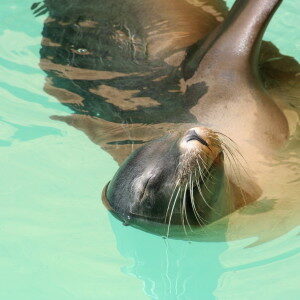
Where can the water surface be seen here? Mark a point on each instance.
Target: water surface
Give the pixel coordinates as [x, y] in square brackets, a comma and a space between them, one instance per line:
[59, 242]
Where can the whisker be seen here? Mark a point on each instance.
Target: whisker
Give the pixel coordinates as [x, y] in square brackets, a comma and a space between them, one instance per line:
[203, 198]
[182, 209]
[170, 202]
[171, 214]
[202, 178]
[184, 203]
[198, 217]
[237, 174]
[236, 160]
[233, 144]
[234, 163]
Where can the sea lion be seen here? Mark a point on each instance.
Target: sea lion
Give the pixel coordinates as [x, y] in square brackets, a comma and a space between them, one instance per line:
[118, 66]
[186, 176]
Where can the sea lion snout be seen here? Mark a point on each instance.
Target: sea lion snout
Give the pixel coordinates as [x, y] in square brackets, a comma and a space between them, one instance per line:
[193, 136]
[201, 140]
[179, 164]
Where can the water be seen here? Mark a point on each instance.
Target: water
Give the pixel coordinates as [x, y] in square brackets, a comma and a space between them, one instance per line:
[57, 239]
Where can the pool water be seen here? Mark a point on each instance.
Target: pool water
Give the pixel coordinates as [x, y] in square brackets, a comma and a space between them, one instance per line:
[57, 240]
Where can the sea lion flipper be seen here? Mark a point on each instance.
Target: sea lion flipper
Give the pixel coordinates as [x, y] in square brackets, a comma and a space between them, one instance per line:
[235, 43]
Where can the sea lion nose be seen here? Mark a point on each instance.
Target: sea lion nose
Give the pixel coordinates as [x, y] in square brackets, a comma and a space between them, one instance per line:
[193, 136]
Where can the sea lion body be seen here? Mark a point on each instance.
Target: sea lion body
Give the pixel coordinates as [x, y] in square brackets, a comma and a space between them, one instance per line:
[230, 101]
[137, 71]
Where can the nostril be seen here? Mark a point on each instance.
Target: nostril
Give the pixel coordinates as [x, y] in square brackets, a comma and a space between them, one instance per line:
[193, 136]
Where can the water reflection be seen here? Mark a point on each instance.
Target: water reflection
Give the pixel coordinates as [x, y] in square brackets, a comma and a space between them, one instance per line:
[170, 269]
[175, 269]
[101, 61]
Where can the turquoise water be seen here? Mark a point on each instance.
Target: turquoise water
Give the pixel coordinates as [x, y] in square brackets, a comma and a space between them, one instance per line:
[57, 239]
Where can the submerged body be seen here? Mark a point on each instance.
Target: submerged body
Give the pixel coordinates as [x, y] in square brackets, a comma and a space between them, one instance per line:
[145, 71]
[201, 179]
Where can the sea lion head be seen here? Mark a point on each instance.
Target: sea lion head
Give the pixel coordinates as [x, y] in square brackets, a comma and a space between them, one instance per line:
[173, 180]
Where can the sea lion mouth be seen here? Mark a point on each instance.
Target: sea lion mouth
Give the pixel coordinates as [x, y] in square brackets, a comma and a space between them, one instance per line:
[196, 195]
[194, 167]
[200, 150]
